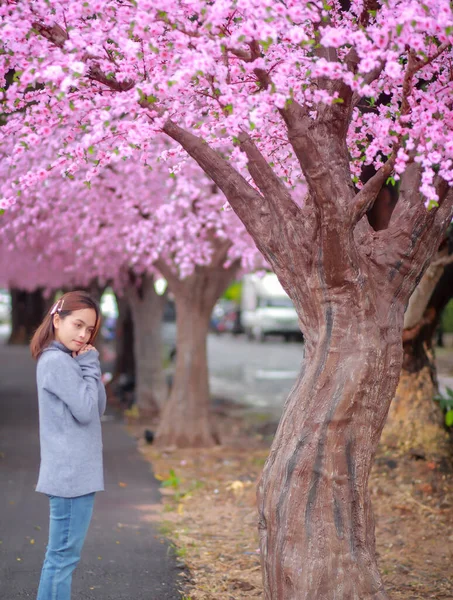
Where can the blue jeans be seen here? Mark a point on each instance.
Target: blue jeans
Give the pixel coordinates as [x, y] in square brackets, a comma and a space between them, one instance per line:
[69, 522]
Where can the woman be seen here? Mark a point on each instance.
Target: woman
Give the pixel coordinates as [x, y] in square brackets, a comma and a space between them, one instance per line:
[71, 402]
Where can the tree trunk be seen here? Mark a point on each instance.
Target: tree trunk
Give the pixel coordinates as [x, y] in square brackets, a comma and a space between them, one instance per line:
[316, 521]
[147, 309]
[415, 423]
[27, 312]
[186, 421]
[124, 340]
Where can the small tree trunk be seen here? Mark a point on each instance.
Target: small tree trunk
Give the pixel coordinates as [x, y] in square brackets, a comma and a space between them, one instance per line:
[124, 340]
[415, 422]
[27, 312]
[316, 521]
[147, 309]
[186, 420]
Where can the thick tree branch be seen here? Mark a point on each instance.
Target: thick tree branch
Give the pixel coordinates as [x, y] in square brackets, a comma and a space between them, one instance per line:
[266, 179]
[413, 238]
[424, 290]
[366, 197]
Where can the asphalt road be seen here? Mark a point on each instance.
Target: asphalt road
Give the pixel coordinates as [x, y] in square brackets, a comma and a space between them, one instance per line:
[124, 558]
[257, 374]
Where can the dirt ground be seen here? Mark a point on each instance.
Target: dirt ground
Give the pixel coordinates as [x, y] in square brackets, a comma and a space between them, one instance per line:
[209, 513]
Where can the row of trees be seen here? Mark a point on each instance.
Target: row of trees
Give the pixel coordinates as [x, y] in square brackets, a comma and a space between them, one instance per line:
[262, 94]
[131, 225]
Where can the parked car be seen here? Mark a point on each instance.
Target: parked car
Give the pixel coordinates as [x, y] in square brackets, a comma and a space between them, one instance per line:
[267, 309]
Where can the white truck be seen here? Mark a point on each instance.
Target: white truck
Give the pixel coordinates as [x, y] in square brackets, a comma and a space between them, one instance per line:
[267, 309]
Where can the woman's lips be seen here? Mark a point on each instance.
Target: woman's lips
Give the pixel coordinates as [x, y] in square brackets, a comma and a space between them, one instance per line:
[80, 343]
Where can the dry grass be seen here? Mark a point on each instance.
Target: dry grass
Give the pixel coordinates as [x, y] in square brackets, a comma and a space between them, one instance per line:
[209, 513]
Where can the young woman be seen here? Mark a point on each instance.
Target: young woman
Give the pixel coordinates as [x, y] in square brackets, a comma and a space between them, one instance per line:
[72, 400]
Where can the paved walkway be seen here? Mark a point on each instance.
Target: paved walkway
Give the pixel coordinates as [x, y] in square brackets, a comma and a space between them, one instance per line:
[123, 557]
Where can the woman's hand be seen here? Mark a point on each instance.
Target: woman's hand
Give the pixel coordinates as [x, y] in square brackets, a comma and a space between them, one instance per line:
[82, 350]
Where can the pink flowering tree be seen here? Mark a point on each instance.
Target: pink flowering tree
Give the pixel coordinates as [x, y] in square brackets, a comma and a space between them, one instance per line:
[260, 93]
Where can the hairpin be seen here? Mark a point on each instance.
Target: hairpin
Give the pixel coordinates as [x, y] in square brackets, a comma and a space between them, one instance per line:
[57, 308]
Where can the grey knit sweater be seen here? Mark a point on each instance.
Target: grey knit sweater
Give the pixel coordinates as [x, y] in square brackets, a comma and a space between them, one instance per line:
[72, 400]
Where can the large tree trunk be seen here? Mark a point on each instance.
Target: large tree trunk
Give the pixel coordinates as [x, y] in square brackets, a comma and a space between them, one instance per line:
[147, 309]
[27, 312]
[186, 419]
[316, 521]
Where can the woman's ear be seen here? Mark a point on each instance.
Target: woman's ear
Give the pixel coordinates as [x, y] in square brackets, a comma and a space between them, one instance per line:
[56, 321]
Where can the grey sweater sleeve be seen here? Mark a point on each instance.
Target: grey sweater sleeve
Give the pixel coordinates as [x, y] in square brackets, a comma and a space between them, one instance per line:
[86, 361]
[75, 382]
[102, 398]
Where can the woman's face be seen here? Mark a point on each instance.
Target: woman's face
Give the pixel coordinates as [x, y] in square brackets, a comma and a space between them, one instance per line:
[74, 331]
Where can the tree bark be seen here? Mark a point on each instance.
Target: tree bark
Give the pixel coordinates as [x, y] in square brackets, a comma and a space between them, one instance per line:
[186, 420]
[27, 312]
[415, 423]
[124, 339]
[147, 310]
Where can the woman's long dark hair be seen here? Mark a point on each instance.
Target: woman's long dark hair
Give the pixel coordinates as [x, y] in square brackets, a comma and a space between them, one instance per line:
[67, 304]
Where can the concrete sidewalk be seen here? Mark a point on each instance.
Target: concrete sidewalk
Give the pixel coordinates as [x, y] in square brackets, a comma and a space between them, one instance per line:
[124, 558]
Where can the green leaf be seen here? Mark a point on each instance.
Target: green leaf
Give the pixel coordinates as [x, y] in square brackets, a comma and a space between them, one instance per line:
[266, 43]
[449, 418]
[90, 149]
[2, 211]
